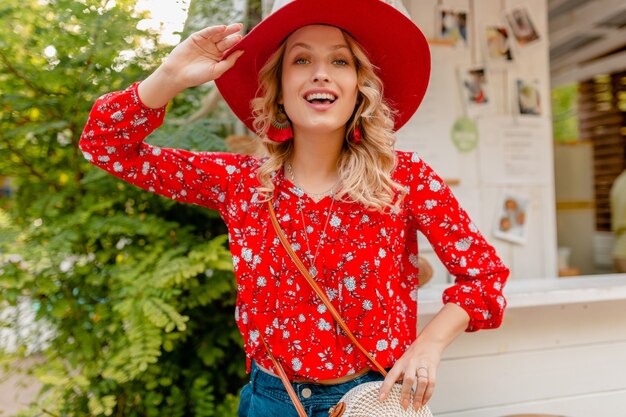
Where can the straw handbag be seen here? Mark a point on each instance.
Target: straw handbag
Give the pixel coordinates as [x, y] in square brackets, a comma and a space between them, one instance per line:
[362, 400]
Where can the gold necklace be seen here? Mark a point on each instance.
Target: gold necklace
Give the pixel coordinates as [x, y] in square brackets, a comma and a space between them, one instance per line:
[330, 191]
[313, 270]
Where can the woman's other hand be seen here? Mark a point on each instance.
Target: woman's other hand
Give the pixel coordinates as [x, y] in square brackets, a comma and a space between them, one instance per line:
[195, 61]
[417, 367]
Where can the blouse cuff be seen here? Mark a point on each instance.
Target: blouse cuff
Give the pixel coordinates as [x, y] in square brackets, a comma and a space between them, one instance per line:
[484, 309]
[137, 101]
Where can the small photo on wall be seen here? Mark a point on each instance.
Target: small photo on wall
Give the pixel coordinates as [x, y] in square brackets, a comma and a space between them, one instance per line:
[527, 97]
[522, 26]
[452, 25]
[475, 90]
[511, 218]
[498, 45]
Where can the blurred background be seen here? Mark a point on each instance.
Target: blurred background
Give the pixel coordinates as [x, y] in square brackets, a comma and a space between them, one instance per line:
[114, 301]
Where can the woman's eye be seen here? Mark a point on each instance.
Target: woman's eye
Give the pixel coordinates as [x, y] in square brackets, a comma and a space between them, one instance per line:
[342, 62]
[301, 61]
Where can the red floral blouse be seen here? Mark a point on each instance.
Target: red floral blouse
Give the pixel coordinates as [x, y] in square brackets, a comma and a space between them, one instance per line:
[367, 261]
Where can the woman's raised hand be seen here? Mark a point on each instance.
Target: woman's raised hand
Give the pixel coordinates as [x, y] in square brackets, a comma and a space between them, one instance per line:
[198, 59]
[195, 61]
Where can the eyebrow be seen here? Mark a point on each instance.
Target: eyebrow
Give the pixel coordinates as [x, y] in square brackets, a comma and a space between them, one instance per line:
[305, 46]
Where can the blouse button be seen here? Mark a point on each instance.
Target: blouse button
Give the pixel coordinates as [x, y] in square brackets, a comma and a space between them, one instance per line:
[306, 393]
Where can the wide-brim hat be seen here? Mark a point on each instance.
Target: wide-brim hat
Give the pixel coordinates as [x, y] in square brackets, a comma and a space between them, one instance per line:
[393, 43]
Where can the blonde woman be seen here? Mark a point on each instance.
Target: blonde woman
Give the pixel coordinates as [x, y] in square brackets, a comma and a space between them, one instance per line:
[325, 85]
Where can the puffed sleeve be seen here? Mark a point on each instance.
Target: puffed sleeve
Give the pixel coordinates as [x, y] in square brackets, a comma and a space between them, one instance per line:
[479, 273]
[113, 139]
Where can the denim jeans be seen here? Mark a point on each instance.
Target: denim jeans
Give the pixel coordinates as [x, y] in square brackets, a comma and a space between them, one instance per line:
[265, 395]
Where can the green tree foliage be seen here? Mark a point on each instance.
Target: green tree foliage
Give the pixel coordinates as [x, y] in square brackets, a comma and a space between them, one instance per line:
[138, 289]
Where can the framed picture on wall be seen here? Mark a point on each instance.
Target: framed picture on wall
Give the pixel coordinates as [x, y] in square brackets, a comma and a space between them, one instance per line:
[497, 45]
[522, 26]
[527, 98]
[452, 25]
[512, 218]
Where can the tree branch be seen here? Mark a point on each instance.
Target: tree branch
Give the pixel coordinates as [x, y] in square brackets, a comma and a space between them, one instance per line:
[19, 75]
[25, 162]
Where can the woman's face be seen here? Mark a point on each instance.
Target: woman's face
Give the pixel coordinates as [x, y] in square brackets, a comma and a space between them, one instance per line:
[319, 80]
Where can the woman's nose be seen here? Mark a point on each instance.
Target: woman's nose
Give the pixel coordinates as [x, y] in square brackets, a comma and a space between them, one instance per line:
[320, 73]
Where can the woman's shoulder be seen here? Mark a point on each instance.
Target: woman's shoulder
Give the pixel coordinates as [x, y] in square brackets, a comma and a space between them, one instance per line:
[407, 163]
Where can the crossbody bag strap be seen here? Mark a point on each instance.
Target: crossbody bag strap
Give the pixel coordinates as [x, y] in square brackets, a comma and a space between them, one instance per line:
[320, 293]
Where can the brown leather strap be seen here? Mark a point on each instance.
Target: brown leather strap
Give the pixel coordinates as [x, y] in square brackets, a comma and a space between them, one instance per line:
[318, 290]
[285, 380]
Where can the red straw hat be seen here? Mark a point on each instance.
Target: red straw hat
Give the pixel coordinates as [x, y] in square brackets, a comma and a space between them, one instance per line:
[392, 41]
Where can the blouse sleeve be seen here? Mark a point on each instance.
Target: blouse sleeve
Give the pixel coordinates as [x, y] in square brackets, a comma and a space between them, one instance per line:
[113, 139]
[479, 273]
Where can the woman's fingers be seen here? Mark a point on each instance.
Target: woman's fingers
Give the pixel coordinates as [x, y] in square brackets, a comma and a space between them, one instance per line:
[422, 388]
[392, 376]
[407, 387]
[217, 33]
[215, 40]
[224, 65]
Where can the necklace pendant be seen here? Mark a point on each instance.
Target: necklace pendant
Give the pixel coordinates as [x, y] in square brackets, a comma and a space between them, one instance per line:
[313, 271]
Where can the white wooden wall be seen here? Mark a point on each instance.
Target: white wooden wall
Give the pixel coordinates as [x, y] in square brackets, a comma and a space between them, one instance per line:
[565, 359]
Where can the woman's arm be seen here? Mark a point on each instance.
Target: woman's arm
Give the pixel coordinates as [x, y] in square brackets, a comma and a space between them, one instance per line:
[474, 302]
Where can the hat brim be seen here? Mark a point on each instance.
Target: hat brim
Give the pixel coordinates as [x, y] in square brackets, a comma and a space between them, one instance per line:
[393, 43]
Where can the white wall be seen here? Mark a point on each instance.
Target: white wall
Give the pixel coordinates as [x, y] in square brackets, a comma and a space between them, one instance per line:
[564, 359]
[477, 193]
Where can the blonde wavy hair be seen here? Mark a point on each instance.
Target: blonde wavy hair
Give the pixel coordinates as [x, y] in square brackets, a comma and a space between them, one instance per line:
[364, 168]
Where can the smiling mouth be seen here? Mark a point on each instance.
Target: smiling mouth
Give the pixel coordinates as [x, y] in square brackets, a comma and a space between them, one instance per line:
[321, 98]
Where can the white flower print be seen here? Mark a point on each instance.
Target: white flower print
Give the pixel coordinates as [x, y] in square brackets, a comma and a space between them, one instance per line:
[463, 262]
[88, 156]
[261, 281]
[463, 244]
[117, 167]
[381, 345]
[118, 116]
[394, 343]
[434, 185]
[367, 305]
[335, 221]
[323, 325]
[145, 168]
[301, 318]
[321, 309]
[230, 169]
[350, 283]
[430, 204]
[246, 254]
[179, 174]
[415, 157]
[472, 272]
[104, 158]
[382, 253]
[296, 364]
[156, 151]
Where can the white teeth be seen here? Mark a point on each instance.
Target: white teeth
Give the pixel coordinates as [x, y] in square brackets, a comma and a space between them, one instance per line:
[321, 96]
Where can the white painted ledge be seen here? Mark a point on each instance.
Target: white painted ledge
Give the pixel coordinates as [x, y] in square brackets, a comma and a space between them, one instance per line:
[523, 293]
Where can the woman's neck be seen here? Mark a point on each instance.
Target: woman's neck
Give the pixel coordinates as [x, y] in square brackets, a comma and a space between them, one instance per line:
[314, 161]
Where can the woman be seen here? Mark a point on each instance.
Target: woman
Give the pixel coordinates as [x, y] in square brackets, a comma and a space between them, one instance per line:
[349, 203]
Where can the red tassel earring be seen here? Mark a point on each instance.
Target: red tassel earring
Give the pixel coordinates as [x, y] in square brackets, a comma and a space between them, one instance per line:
[280, 130]
[356, 135]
